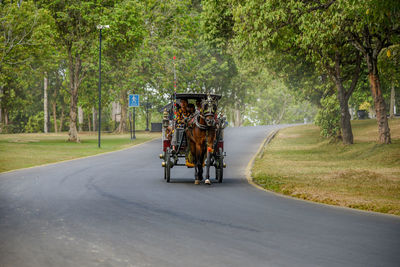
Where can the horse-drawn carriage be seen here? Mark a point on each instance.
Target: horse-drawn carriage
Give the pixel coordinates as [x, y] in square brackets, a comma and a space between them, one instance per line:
[199, 140]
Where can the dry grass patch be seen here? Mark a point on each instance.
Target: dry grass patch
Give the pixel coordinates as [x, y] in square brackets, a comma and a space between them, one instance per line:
[365, 175]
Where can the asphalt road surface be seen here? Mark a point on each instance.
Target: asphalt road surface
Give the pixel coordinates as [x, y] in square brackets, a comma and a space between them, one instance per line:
[117, 210]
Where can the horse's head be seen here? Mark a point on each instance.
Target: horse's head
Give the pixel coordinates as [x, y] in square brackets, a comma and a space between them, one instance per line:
[208, 109]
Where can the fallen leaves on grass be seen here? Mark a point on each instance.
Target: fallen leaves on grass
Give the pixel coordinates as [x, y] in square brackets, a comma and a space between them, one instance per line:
[365, 175]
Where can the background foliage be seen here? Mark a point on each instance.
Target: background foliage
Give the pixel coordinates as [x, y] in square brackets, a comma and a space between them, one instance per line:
[270, 60]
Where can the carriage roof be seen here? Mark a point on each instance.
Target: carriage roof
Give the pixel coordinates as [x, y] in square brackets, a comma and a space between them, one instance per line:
[196, 96]
[187, 96]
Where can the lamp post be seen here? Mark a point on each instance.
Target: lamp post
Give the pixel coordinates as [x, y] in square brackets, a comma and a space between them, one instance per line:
[100, 27]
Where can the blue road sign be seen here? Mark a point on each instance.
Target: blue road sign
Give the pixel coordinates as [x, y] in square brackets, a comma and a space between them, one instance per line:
[133, 101]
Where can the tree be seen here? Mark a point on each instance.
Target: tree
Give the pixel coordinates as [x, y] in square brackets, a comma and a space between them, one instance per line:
[268, 100]
[328, 48]
[57, 81]
[76, 27]
[172, 30]
[121, 45]
[388, 63]
[302, 29]
[372, 26]
[24, 31]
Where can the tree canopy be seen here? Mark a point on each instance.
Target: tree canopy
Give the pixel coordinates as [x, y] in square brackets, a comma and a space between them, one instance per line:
[272, 61]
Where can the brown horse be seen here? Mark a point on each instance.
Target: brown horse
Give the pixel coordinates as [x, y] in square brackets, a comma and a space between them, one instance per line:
[201, 132]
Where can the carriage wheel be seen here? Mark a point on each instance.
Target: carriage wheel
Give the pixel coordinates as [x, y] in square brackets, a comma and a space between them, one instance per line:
[167, 168]
[219, 171]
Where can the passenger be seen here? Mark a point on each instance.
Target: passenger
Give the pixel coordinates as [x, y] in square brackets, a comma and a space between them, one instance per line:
[181, 114]
[191, 109]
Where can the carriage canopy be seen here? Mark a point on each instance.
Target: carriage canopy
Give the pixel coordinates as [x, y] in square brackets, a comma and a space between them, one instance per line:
[187, 96]
[196, 96]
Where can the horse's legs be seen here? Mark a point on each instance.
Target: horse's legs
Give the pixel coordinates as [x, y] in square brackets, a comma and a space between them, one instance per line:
[196, 174]
[195, 171]
[199, 162]
[200, 170]
[207, 181]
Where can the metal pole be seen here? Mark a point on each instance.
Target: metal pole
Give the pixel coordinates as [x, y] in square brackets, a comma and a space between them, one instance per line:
[134, 123]
[175, 110]
[147, 115]
[130, 123]
[99, 142]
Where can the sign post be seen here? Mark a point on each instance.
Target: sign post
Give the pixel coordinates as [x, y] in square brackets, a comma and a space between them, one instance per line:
[134, 124]
[130, 123]
[133, 102]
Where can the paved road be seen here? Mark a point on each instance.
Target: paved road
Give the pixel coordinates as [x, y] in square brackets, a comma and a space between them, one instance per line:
[116, 210]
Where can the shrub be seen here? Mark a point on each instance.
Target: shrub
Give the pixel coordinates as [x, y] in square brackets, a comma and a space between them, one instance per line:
[365, 106]
[328, 117]
[35, 123]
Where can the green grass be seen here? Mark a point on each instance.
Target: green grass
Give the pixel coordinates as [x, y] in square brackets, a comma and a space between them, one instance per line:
[365, 175]
[27, 150]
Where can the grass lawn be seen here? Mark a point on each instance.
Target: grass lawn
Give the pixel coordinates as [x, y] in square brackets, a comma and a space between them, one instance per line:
[26, 150]
[365, 175]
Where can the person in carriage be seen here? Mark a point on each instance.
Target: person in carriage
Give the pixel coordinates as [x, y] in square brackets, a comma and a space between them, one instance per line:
[181, 115]
[191, 109]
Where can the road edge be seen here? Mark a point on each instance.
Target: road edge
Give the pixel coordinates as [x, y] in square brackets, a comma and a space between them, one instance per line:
[85, 157]
[250, 165]
[249, 179]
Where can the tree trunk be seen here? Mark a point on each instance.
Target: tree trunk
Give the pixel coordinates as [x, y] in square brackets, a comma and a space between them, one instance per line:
[380, 106]
[88, 117]
[232, 117]
[5, 117]
[61, 119]
[94, 116]
[73, 131]
[80, 118]
[237, 117]
[238, 122]
[124, 115]
[392, 101]
[150, 120]
[282, 112]
[124, 112]
[54, 104]
[116, 111]
[343, 98]
[54, 108]
[45, 104]
[345, 120]
[74, 73]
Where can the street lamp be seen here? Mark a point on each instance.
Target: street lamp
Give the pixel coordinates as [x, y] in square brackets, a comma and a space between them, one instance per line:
[100, 27]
